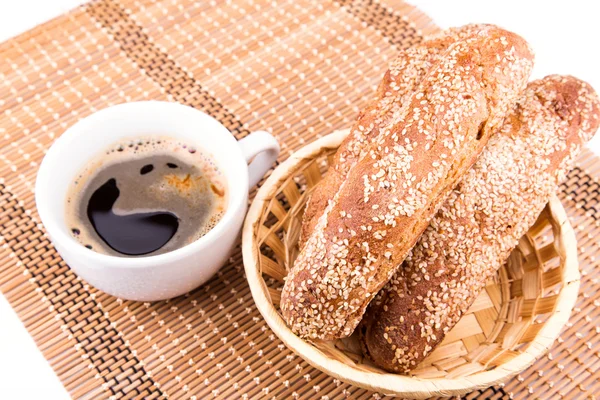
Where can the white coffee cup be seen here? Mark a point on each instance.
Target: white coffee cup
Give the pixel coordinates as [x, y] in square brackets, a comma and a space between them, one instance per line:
[165, 275]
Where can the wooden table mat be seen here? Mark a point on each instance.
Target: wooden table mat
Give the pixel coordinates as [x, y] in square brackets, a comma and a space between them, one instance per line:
[296, 68]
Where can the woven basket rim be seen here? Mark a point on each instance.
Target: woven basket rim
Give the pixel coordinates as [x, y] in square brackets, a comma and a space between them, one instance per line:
[389, 383]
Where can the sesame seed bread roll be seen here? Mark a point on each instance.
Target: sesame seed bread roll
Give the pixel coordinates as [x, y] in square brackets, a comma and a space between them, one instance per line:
[399, 82]
[480, 223]
[388, 197]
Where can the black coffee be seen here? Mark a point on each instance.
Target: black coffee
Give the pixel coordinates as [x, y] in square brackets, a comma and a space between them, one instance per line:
[133, 234]
[145, 197]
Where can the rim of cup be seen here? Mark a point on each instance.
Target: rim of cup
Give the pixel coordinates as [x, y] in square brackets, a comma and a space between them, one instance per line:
[59, 234]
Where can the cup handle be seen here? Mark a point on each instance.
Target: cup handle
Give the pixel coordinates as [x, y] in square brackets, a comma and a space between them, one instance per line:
[260, 149]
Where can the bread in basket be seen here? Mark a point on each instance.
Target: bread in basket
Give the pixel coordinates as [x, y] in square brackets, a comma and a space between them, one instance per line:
[511, 324]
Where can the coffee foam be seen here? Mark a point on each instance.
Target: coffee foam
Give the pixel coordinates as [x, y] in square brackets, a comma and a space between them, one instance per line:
[191, 190]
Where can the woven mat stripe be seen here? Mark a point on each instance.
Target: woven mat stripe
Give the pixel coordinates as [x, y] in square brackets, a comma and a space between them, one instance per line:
[76, 307]
[586, 194]
[396, 22]
[159, 66]
[582, 185]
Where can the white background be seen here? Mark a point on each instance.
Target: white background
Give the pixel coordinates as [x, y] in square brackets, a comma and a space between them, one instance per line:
[564, 34]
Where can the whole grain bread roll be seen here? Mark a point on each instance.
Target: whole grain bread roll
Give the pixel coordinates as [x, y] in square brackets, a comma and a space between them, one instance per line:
[482, 220]
[389, 196]
[399, 82]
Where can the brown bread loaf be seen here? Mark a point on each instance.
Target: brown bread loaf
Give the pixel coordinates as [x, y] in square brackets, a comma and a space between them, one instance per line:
[389, 196]
[482, 220]
[399, 82]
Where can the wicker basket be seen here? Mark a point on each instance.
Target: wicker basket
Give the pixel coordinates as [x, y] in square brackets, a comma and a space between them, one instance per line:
[512, 323]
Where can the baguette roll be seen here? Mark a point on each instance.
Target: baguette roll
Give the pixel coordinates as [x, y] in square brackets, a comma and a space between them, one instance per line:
[403, 176]
[405, 73]
[480, 223]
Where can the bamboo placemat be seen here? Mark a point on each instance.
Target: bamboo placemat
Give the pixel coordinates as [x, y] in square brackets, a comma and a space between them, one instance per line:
[299, 69]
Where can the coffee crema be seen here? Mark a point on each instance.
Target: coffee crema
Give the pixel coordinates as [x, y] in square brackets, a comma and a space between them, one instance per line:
[146, 196]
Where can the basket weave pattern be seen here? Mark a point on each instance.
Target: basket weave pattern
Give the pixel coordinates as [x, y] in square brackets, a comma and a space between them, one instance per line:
[512, 322]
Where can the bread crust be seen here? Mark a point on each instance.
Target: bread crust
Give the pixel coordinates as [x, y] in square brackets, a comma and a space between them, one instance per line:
[405, 73]
[480, 223]
[388, 197]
